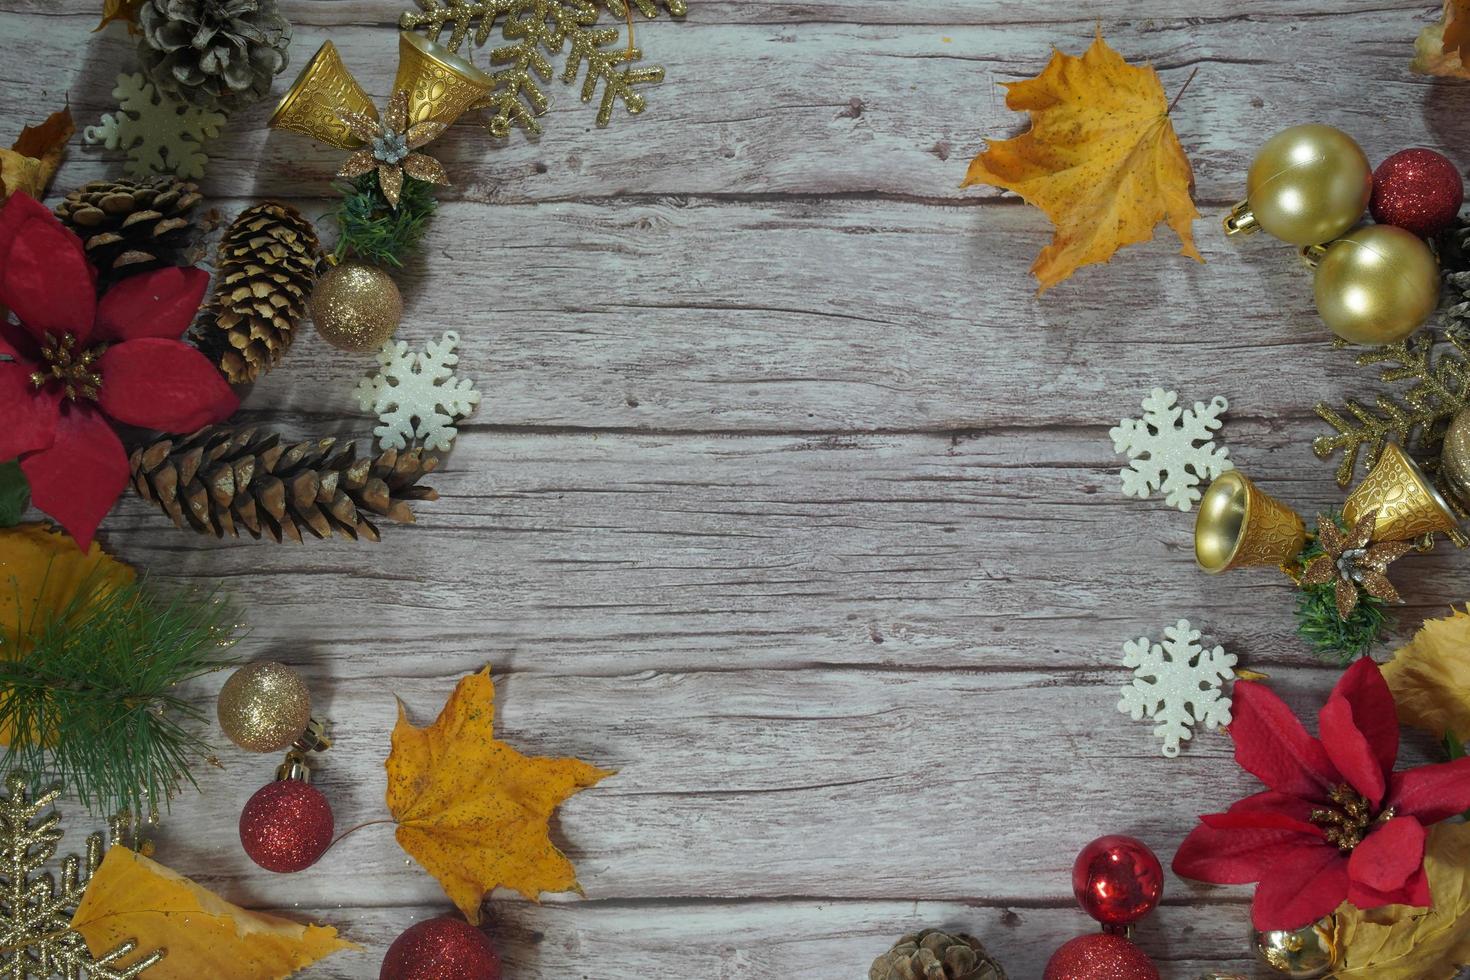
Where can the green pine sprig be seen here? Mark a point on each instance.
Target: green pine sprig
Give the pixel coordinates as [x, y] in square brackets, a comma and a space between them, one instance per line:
[1334, 640]
[374, 231]
[92, 698]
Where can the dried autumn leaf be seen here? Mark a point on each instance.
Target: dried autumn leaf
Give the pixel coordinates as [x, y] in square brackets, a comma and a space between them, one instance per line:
[123, 10]
[41, 573]
[474, 811]
[1444, 48]
[133, 897]
[1397, 942]
[1430, 676]
[31, 162]
[1101, 160]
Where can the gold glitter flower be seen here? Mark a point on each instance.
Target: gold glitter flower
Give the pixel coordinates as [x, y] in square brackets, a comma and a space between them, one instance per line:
[1353, 563]
[390, 145]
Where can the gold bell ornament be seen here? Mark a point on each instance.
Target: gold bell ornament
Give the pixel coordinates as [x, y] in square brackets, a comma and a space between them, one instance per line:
[1307, 953]
[1238, 525]
[316, 102]
[1307, 185]
[1375, 285]
[1408, 505]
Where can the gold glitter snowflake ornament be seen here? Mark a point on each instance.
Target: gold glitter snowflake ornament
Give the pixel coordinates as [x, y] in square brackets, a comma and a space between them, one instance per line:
[36, 938]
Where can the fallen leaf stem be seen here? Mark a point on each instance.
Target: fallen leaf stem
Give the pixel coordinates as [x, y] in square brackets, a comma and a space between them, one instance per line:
[1182, 90]
[352, 830]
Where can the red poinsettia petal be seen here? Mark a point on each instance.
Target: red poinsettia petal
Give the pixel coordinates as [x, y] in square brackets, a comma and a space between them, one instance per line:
[44, 277]
[29, 415]
[163, 384]
[1350, 752]
[161, 303]
[1389, 856]
[1302, 890]
[1414, 892]
[1431, 793]
[1248, 819]
[1236, 855]
[79, 477]
[1272, 744]
[1373, 710]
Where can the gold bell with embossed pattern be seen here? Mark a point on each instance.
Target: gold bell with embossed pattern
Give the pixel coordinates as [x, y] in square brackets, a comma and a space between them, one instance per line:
[1408, 505]
[315, 103]
[1239, 525]
[440, 84]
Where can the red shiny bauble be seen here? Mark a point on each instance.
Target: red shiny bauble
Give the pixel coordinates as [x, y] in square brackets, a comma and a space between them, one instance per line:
[286, 826]
[1419, 190]
[1117, 880]
[1101, 956]
[441, 949]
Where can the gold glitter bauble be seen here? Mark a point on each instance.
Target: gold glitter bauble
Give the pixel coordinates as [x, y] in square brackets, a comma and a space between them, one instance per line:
[264, 707]
[1301, 954]
[356, 307]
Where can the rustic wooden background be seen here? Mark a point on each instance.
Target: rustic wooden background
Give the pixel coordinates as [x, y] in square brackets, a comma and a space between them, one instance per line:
[788, 498]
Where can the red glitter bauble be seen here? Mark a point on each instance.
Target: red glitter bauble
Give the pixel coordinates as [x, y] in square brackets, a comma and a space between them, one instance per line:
[1419, 190]
[441, 949]
[286, 826]
[1101, 956]
[1117, 880]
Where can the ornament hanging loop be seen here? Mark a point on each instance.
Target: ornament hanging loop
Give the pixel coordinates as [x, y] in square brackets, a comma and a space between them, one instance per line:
[314, 738]
[293, 768]
[1311, 255]
[1241, 220]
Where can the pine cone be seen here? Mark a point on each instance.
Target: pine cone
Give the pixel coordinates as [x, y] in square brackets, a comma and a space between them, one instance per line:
[1454, 256]
[129, 226]
[934, 955]
[223, 478]
[268, 262]
[218, 54]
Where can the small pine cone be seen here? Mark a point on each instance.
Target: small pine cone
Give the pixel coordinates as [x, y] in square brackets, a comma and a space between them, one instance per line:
[217, 54]
[1454, 255]
[221, 479]
[934, 955]
[269, 259]
[128, 226]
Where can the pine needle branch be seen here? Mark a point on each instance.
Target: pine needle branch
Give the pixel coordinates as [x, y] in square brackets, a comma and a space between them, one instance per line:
[92, 700]
[373, 230]
[1333, 639]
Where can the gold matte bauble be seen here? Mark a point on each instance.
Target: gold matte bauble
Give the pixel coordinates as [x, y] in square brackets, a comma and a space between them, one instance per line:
[356, 307]
[1306, 186]
[1301, 954]
[264, 707]
[1376, 285]
[1454, 459]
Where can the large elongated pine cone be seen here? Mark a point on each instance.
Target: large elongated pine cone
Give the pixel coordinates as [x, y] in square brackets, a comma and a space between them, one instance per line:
[128, 226]
[269, 260]
[221, 479]
[934, 955]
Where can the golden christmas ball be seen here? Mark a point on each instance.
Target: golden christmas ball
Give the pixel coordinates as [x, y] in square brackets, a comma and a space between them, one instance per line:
[264, 707]
[1454, 459]
[1377, 284]
[356, 307]
[1301, 954]
[1307, 185]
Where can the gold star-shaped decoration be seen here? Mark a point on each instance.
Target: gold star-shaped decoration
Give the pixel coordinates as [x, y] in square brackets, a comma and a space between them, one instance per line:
[391, 143]
[1351, 561]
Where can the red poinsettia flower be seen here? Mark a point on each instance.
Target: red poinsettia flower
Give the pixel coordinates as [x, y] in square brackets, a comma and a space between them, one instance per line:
[1336, 823]
[72, 362]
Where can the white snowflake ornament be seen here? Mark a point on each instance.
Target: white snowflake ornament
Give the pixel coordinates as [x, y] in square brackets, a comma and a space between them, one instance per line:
[1162, 452]
[160, 136]
[1177, 683]
[416, 395]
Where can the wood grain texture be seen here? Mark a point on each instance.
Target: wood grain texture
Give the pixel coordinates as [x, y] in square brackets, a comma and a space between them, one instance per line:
[788, 498]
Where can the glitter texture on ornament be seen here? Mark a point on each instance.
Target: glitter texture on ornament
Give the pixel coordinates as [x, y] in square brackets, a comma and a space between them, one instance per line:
[416, 394]
[1177, 684]
[1162, 452]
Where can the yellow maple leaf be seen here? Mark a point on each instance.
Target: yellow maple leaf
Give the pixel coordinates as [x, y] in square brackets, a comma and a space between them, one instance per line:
[1101, 160]
[1444, 47]
[1430, 676]
[133, 897]
[474, 811]
[1397, 942]
[32, 160]
[123, 10]
[41, 573]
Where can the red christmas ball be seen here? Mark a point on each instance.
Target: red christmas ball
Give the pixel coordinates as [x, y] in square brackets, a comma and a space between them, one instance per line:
[1419, 190]
[1101, 956]
[1117, 880]
[441, 949]
[286, 826]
